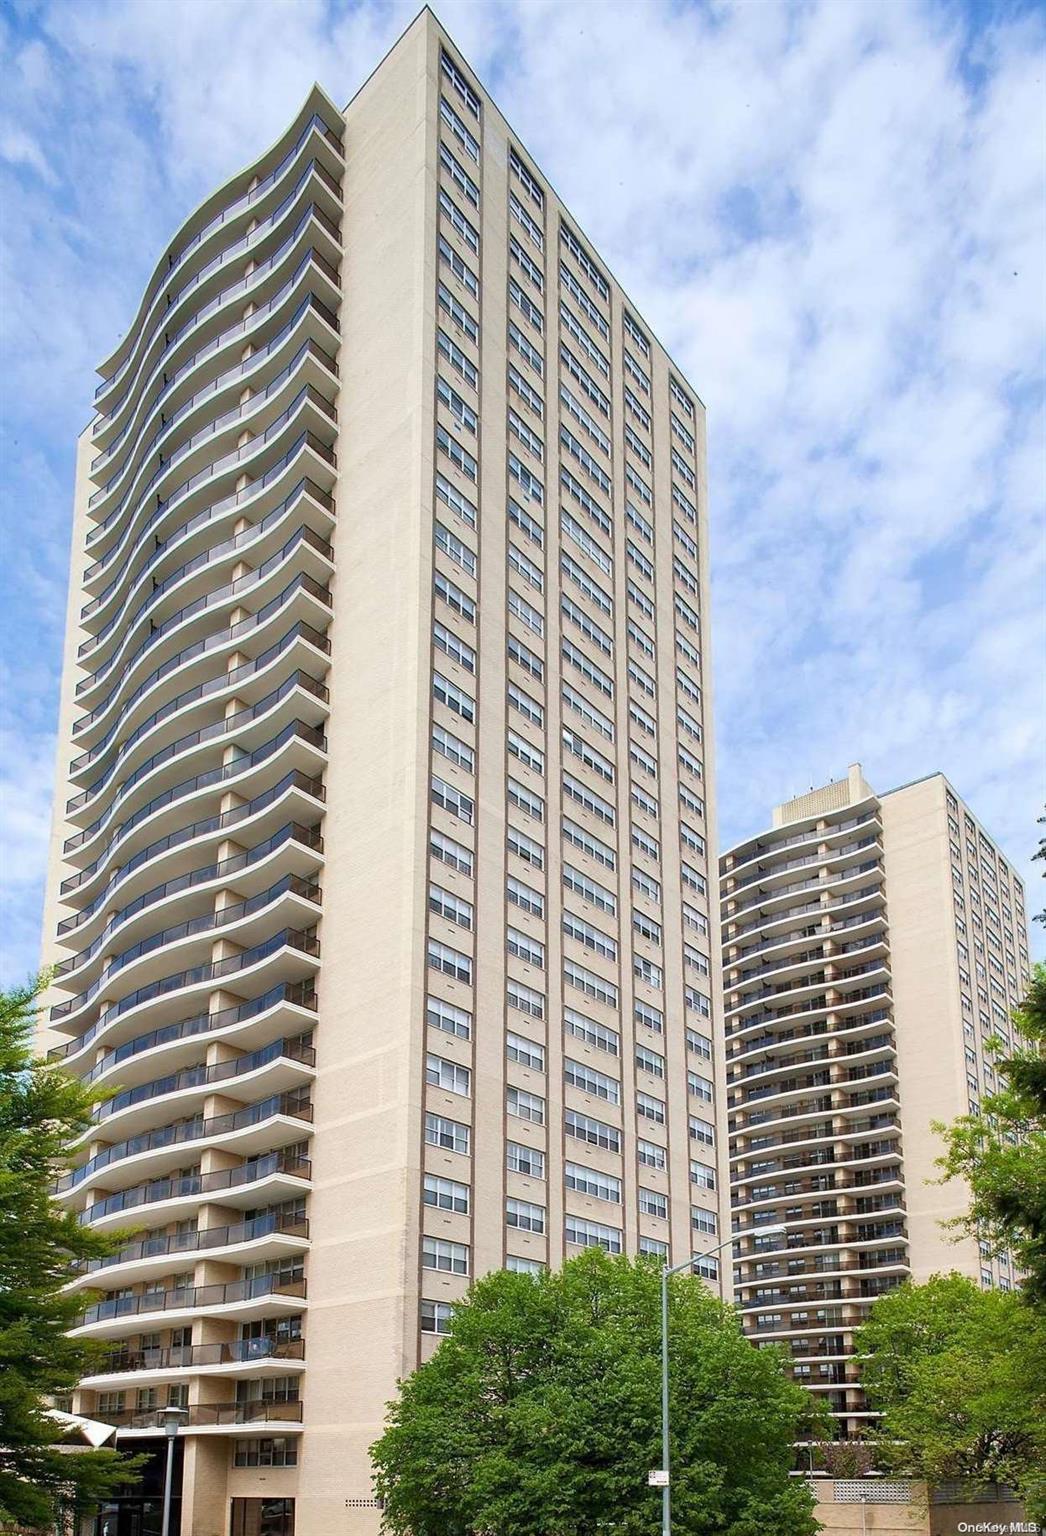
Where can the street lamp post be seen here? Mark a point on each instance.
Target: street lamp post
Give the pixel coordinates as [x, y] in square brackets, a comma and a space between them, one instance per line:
[171, 1417]
[666, 1272]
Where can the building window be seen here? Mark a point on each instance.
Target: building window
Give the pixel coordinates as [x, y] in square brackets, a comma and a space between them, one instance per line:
[446, 1194]
[262, 1517]
[517, 1265]
[445, 1016]
[451, 1258]
[525, 1160]
[524, 1216]
[652, 1203]
[591, 1181]
[525, 1106]
[278, 1452]
[441, 1073]
[593, 1234]
[650, 1155]
[435, 1316]
[451, 1135]
[526, 1052]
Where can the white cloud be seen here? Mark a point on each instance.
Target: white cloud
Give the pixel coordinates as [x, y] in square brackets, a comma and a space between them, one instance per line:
[831, 213]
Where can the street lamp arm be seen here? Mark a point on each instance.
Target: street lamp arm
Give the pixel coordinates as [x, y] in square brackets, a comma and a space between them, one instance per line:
[694, 1257]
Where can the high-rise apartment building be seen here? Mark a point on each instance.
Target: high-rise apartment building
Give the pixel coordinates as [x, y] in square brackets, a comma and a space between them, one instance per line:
[382, 849]
[871, 945]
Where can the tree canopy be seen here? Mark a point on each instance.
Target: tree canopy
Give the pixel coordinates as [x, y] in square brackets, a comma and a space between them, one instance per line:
[42, 1110]
[539, 1415]
[1001, 1152]
[959, 1376]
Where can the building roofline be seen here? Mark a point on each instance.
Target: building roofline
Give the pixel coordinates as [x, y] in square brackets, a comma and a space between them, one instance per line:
[426, 10]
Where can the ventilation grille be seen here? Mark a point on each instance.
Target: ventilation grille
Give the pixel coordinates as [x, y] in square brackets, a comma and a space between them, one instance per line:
[872, 1491]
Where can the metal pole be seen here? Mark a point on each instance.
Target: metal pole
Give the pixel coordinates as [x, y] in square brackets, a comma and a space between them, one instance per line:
[666, 1270]
[167, 1480]
[666, 1492]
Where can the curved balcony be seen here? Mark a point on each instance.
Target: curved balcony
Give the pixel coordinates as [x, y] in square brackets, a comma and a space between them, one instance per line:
[303, 796]
[783, 1269]
[822, 830]
[243, 730]
[156, 559]
[287, 1006]
[194, 623]
[197, 781]
[255, 501]
[769, 872]
[271, 1235]
[195, 391]
[269, 1071]
[242, 1300]
[180, 395]
[273, 1177]
[208, 1418]
[310, 225]
[240, 922]
[224, 213]
[125, 628]
[305, 744]
[810, 968]
[247, 640]
[241, 1357]
[301, 601]
[191, 545]
[756, 919]
[301, 857]
[785, 894]
[293, 953]
[243, 1130]
[778, 945]
[256, 459]
[263, 408]
[313, 236]
[300, 647]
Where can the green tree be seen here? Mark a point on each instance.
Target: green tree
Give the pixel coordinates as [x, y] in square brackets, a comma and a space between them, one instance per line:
[539, 1415]
[42, 1109]
[959, 1376]
[1001, 1152]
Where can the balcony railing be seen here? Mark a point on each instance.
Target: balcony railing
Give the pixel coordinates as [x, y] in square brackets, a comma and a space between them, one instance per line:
[200, 691]
[205, 1415]
[249, 365]
[243, 285]
[207, 922]
[305, 943]
[178, 1357]
[815, 906]
[202, 1075]
[214, 552]
[226, 503]
[293, 831]
[187, 1185]
[232, 211]
[185, 1131]
[293, 780]
[191, 1298]
[268, 1224]
[226, 727]
[299, 994]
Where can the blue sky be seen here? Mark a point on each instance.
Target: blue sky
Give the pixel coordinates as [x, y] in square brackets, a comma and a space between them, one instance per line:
[832, 214]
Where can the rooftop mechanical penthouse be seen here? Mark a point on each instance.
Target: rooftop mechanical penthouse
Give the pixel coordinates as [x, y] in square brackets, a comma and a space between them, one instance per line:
[383, 884]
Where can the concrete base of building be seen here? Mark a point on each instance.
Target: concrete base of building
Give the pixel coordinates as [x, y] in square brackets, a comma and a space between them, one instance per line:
[878, 1507]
